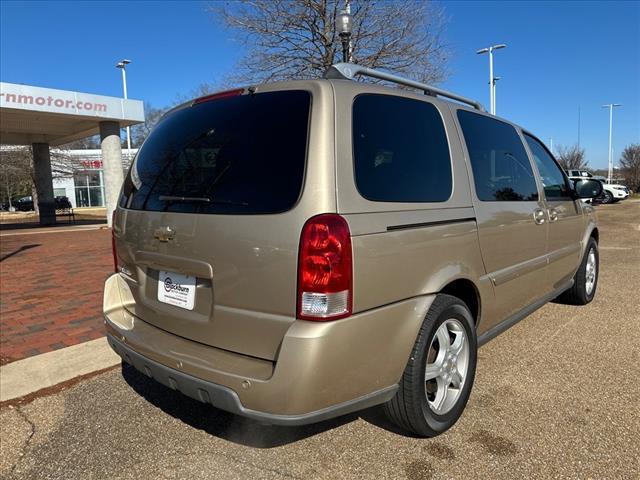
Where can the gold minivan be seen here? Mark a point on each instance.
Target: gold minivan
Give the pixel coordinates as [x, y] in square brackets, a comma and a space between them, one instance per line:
[295, 251]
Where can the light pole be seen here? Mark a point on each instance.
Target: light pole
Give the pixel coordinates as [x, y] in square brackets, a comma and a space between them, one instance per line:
[610, 107]
[122, 65]
[344, 32]
[492, 79]
[495, 79]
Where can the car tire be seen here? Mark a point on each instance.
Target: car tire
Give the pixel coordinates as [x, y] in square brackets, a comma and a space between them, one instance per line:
[607, 197]
[422, 405]
[586, 278]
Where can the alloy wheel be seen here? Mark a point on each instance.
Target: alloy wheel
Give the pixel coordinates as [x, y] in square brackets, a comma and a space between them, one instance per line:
[447, 366]
[591, 272]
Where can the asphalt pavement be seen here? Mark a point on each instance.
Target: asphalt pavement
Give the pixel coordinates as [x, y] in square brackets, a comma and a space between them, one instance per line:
[556, 396]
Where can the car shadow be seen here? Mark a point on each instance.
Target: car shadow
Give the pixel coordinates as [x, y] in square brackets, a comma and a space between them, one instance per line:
[225, 425]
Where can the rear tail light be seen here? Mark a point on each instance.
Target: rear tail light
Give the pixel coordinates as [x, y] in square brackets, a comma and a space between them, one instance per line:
[325, 269]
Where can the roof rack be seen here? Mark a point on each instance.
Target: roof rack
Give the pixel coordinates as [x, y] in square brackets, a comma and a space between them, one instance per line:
[348, 71]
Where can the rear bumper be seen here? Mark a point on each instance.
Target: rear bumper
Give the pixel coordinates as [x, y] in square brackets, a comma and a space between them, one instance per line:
[226, 399]
[323, 369]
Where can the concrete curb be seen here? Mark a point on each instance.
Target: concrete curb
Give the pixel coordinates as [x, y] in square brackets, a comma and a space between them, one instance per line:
[23, 377]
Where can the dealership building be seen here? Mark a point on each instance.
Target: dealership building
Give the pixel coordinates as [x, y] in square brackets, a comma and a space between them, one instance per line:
[84, 184]
[45, 117]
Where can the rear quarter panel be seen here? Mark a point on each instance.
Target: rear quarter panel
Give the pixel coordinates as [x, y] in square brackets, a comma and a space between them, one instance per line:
[395, 259]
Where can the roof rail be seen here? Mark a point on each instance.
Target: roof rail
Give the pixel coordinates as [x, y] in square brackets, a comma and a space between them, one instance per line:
[348, 71]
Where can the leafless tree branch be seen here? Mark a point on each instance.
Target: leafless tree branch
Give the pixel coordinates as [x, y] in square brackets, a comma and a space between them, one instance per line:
[571, 158]
[294, 39]
[630, 165]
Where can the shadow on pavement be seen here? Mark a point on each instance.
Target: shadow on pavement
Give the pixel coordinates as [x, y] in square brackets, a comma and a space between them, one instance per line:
[36, 225]
[21, 249]
[227, 426]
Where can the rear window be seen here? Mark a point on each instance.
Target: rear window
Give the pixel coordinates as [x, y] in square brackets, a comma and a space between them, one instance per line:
[234, 155]
[400, 150]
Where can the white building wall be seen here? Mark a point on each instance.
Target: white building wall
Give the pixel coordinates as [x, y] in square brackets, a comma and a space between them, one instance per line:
[69, 188]
[87, 161]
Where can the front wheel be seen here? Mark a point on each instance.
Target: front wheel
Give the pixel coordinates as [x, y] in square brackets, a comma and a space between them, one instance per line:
[607, 197]
[437, 380]
[585, 279]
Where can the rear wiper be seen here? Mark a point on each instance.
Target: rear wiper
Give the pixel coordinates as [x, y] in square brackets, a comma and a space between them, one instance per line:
[171, 198]
[229, 202]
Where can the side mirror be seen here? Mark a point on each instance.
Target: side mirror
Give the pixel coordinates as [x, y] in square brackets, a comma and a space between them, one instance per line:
[587, 188]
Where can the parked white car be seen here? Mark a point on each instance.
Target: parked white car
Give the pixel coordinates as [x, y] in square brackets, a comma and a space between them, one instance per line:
[611, 193]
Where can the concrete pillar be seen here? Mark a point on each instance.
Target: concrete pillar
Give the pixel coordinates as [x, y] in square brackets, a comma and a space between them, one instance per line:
[112, 171]
[44, 183]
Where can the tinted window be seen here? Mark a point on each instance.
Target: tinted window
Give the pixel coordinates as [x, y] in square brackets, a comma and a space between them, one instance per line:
[501, 168]
[243, 154]
[400, 150]
[555, 185]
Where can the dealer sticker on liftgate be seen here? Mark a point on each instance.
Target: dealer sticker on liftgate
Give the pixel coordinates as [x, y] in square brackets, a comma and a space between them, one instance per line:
[177, 289]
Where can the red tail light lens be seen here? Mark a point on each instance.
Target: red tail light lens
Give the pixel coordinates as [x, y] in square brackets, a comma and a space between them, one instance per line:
[325, 269]
[216, 96]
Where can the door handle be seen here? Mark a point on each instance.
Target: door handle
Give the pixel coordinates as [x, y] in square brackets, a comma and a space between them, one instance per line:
[553, 215]
[538, 216]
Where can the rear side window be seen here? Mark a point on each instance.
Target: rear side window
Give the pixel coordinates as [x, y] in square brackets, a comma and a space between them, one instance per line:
[236, 155]
[555, 185]
[400, 150]
[501, 167]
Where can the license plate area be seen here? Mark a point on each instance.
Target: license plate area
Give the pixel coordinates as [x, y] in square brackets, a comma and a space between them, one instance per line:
[177, 289]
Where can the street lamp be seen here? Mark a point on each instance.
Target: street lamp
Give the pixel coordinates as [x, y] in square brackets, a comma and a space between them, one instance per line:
[610, 106]
[122, 65]
[492, 79]
[344, 31]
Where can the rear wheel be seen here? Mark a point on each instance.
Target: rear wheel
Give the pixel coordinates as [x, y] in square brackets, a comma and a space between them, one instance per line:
[585, 279]
[437, 380]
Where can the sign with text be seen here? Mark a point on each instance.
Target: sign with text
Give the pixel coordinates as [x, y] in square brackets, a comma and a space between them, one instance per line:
[26, 97]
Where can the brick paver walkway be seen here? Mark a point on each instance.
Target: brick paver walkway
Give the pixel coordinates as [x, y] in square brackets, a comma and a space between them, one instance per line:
[51, 288]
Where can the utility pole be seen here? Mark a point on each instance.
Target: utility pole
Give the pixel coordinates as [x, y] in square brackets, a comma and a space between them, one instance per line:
[578, 125]
[495, 80]
[610, 106]
[122, 65]
[492, 79]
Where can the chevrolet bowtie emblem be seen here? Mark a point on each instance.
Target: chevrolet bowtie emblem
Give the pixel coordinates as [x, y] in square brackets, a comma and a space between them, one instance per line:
[164, 233]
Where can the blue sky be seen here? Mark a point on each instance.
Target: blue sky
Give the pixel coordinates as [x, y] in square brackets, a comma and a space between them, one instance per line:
[560, 56]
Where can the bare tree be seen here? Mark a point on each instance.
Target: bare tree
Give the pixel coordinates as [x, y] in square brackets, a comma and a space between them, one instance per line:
[17, 174]
[571, 158]
[84, 143]
[630, 164]
[140, 132]
[293, 39]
